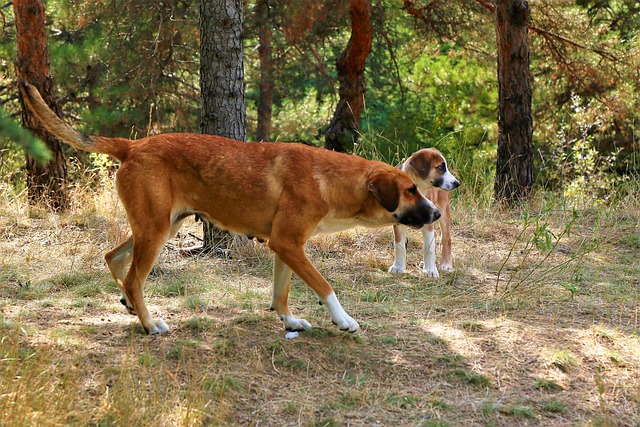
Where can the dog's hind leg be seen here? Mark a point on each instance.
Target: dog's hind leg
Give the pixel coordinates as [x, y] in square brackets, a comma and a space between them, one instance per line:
[118, 259]
[280, 302]
[429, 251]
[445, 228]
[146, 248]
[400, 249]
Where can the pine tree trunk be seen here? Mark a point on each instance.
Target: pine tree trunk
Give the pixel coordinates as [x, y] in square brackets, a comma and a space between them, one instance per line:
[265, 101]
[46, 183]
[221, 84]
[342, 132]
[514, 167]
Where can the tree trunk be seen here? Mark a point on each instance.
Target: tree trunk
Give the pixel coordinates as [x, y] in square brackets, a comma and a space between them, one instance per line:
[344, 125]
[514, 167]
[265, 102]
[221, 84]
[46, 183]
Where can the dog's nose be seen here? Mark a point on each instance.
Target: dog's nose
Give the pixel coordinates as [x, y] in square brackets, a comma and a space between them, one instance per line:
[456, 184]
[436, 214]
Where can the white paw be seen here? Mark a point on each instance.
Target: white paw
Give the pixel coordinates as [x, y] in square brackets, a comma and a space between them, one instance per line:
[347, 324]
[158, 327]
[293, 324]
[396, 269]
[446, 267]
[431, 272]
[339, 316]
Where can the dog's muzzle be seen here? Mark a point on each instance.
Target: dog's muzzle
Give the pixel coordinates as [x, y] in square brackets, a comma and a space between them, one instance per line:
[420, 215]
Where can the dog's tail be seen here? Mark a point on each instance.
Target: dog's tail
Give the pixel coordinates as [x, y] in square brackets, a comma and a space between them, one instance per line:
[116, 147]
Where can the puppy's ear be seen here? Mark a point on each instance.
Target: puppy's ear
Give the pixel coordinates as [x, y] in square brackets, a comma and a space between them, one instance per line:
[421, 163]
[383, 186]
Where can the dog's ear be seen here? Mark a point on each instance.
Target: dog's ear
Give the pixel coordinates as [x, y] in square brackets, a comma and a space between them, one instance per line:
[383, 186]
[421, 163]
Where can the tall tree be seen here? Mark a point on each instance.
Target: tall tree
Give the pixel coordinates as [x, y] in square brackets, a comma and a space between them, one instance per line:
[514, 166]
[344, 125]
[265, 100]
[221, 83]
[46, 183]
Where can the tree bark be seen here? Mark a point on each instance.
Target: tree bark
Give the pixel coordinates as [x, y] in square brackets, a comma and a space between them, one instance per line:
[514, 167]
[47, 184]
[265, 101]
[345, 123]
[221, 85]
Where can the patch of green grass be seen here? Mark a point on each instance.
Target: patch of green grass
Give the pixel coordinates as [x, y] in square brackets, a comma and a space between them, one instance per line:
[516, 410]
[194, 302]
[182, 348]
[70, 280]
[249, 319]
[563, 360]
[373, 296]
[434, 422]
[471, 378]
[472, 326]
[325, 422]
[293, 363]
[440, 404]
[223, 384]
[403, 402]
[172, 289]
[554, 406]
[631, 240]
[435, 340]
[451, 359]
[199, 324]
[87, 289]
[148, 360]
[388, 340]
[548, 385]
[223, 347]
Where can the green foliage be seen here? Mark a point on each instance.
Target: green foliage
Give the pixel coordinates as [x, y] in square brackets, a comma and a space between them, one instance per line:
[575, 165]
[35, 148]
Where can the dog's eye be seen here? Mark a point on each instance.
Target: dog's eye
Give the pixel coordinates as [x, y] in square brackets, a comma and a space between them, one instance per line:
[442, 168]
[413, 190]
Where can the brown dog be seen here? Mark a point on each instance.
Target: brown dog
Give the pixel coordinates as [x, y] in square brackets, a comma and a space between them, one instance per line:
[282, 193]
[428, 168]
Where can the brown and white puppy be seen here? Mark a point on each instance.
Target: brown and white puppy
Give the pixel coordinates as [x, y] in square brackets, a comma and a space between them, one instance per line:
[280, 193]
[428, 168]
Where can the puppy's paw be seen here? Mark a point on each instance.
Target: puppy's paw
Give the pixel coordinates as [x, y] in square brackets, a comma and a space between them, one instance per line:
[157, 327]
[431, 272]
[130, 309]
[396, 269]
[295, 325]
[446, 267]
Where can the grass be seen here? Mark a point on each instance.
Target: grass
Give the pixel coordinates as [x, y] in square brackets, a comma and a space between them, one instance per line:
[526, 331]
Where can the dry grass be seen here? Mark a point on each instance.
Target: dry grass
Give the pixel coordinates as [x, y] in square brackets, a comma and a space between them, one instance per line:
[520, 334]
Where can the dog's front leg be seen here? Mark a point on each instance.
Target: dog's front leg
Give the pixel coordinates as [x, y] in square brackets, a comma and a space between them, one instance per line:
[429, 251]
[293, 255]
[280, 301]
[400, 249]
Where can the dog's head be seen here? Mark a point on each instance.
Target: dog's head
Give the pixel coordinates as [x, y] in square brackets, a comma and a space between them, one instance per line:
[397, 193]
[431, 167]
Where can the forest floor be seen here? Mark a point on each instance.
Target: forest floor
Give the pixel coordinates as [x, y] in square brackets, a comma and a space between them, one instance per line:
[537, 325]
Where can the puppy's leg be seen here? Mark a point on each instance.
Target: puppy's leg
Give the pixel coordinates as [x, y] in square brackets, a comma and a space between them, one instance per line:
[400, 249]
[118, 259]
[429, 251]
[280, 302]
[445, 227]
[292, 253]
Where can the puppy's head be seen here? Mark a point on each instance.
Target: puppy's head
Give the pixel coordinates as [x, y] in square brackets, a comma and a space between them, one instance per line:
[431, 167]
[397, 193]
